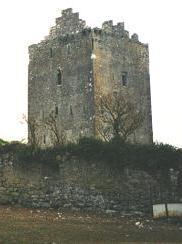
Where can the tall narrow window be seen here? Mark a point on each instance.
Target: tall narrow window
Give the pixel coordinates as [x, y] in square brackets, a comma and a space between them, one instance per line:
[59, 76]
[51, 52]
[68, 49]
[71, 110]
[56, 110]
[124, 78]
[92, 43]
[44, 139]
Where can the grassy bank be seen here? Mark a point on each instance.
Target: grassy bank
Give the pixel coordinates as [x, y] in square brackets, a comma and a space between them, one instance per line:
[115, 154]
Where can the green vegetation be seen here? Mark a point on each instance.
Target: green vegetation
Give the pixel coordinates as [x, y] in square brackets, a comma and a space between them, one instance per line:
[116, 154]
[2, 142]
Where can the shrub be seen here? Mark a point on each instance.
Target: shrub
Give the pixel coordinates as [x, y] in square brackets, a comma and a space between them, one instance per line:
[2, 142]
[115, 154]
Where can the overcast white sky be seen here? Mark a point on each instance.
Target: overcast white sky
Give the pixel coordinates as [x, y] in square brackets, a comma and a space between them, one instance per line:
[158, 22]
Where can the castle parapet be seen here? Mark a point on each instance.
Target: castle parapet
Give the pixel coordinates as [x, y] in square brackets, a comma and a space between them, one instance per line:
[117, 30]
[68, 23]
[67, 12]
[134, 37]
[107, 26]
[120, 26]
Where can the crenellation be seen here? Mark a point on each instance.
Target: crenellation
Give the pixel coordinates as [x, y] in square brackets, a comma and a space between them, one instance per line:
[69, 22]
[117, 30]
[76, 17]
[107, 26]
[126, 34]
[67, 12]
[135, 38]
[120, 25]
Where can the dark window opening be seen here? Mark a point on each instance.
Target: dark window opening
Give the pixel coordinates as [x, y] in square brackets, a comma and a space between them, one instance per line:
[56, 110]
[44, 139]
[71, 110]
[68, 49]
[124, 78]
[92, 43]
[59, 76]
[51, 52]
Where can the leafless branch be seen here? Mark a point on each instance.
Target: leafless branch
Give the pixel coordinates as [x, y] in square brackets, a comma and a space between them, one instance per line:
[117, 115]
[52, 125]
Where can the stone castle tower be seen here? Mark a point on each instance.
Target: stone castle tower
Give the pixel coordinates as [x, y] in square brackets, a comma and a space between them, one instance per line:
[69, 67]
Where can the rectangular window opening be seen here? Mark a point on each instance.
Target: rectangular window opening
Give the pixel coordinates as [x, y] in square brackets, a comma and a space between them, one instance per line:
[92, 43]
[59, 76]
[51, 52]
[124, 78]
[68, 49]
[56, 110]
[71, 110]
[44, 139]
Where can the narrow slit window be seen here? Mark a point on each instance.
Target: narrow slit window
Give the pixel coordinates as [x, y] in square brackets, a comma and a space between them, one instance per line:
[124, 78]
[71, 110]
[44, 139]
[51, 52]
[59, 76]
[68, 49]
[56, 110]
[92, 43]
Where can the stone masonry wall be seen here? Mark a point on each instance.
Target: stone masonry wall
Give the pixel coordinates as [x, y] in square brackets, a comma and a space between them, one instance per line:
[116, 54]
[69, 100]
[76, 185]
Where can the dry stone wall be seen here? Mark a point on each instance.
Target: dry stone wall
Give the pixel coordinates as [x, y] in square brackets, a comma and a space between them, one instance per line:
[76, 185]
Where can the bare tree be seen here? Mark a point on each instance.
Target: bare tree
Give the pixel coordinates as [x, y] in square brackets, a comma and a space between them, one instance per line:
[33, 127]
[58, 136]
[117, 116]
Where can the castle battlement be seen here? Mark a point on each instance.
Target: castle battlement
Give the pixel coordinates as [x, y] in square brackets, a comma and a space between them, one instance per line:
[70, 23]
[69, 27]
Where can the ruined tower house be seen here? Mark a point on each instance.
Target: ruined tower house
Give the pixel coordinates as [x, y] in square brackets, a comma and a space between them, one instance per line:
[72, 64]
